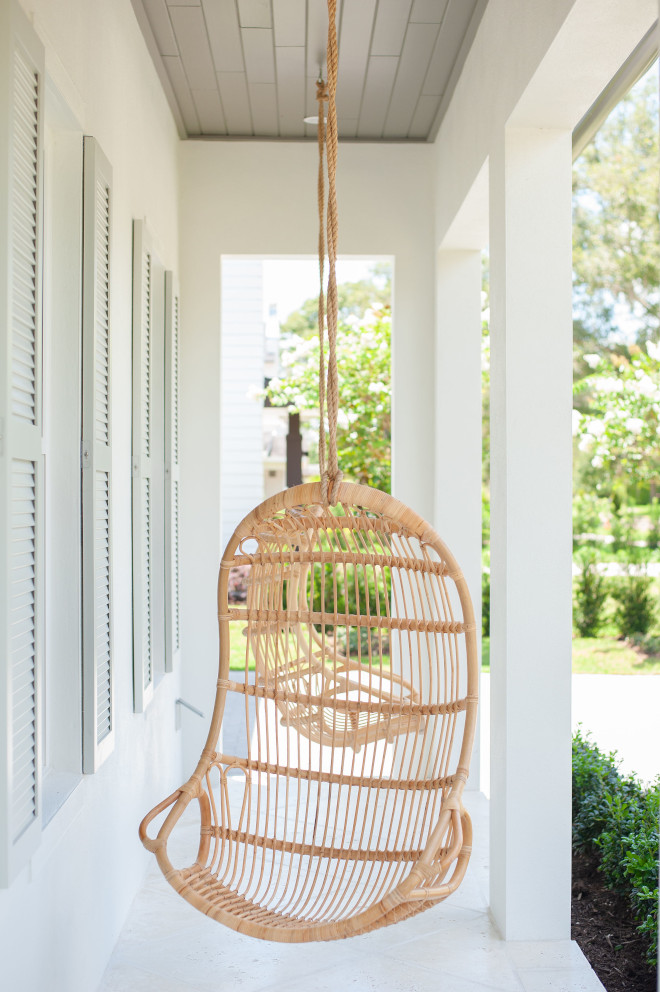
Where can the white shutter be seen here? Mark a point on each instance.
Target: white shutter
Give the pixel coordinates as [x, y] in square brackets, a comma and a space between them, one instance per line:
[143, 465]
[98, 721]
[23, 556]
[172, 495]
[21, 461]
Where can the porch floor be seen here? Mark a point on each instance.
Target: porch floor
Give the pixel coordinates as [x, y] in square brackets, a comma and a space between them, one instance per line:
[167, 946]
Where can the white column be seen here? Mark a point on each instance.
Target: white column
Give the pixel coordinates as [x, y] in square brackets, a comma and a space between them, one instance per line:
[457, 516]
[412, 376]
[531, 452]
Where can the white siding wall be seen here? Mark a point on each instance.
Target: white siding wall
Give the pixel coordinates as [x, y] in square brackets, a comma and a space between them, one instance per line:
[61, 917]
[242, 371]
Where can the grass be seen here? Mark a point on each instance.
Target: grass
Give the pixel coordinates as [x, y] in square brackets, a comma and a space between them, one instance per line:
[608, 656]
[591, 655]
[598, 656]
[238, 645]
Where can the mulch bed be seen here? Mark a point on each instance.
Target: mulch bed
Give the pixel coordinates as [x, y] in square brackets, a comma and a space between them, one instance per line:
[603, 926]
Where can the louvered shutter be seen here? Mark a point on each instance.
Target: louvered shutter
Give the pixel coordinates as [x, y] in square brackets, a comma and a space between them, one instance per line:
[21, 460]
[172, 490]
[98, 722]
[143, 467]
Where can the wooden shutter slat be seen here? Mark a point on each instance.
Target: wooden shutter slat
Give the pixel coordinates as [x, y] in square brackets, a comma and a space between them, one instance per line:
[23, 643]
[101, 309]
[176, 609]
[145, 368]
[145, 497]
[172, 479]
[24, 240]
[147, 636]
[102, 609]
[98, 721]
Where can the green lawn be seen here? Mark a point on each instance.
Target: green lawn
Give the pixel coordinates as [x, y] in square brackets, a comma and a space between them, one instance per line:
[591, 655]
[608, 656]
[237, 647]
[598, 656]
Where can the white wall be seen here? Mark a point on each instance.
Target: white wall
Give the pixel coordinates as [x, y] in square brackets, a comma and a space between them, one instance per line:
[61, 917]
[260, 198]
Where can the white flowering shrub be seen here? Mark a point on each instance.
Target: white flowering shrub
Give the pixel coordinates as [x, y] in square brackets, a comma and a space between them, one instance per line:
[621, 429]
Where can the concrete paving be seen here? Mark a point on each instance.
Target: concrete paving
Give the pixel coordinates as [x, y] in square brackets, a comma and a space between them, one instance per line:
[622, 713]
[167, 946]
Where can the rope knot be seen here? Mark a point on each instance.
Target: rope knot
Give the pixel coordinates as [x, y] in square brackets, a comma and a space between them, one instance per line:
[330, 487]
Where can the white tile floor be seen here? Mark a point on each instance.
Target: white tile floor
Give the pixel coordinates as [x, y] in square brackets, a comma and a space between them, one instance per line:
[167, 946]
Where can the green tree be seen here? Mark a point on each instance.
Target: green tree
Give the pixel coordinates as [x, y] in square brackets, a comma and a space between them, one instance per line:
[616, 275]
[620, 429]
[616, 233]
[353, 300]
[363, 362]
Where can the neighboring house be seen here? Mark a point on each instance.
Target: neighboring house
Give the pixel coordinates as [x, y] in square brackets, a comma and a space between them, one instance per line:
[459, 124]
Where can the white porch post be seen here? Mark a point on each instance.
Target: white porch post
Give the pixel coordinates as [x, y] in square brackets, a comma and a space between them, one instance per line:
[458, 422]
[531, 371]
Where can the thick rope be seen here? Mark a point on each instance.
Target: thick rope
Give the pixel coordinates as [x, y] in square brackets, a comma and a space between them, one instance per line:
[321, 96]
[329, 385]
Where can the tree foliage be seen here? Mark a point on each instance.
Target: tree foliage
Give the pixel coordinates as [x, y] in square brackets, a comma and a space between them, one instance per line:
[353, 300]
[616, 233]
[363, 362]
[620, 430]
[616, 263]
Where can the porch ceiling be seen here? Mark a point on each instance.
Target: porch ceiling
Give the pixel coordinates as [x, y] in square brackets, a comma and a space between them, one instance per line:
[247, 68]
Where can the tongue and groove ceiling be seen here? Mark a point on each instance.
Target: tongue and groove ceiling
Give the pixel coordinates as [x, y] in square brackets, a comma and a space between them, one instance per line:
[248, 68]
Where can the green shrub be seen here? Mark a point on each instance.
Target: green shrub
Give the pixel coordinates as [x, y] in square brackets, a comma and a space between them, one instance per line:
[485, 518]
[618, 817]
[648, 643]
[589, 595]
[635, 611]
[595, 775]
[588, 510]
[622, 528]
[354, 590]
[629, 844]
[485, 604]
[653, 536]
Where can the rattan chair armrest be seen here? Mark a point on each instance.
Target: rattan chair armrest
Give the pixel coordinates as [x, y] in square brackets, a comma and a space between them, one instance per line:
[153, 844]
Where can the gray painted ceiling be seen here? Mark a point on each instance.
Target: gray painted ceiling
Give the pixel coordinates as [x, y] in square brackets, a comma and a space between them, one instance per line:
[248, 68]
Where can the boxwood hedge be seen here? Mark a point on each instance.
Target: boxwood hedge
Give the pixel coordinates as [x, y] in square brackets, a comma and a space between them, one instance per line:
[617, 816]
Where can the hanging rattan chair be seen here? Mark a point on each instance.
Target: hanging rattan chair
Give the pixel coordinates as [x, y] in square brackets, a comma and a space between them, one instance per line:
[345, 812]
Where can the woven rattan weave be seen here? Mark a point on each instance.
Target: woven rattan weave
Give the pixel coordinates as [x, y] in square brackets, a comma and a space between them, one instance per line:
[344, 813]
